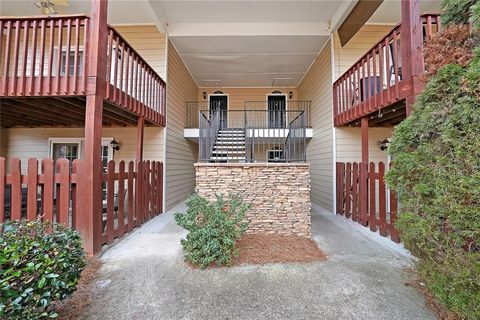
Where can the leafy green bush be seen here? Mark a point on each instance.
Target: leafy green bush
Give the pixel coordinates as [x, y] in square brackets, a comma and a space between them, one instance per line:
[437, 176]
[213, 229]
[39, 263]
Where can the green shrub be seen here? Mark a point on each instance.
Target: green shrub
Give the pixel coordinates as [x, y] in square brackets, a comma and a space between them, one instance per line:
[213, 227]
[39, 263]
[437, 176]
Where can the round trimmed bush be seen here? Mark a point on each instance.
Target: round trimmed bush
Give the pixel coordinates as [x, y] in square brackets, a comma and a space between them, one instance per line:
[39, 263]
[214, 228]
[436, 174]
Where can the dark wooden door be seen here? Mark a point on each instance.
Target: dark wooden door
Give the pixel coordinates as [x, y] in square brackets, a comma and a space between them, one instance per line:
[277, 111]
[219, 104]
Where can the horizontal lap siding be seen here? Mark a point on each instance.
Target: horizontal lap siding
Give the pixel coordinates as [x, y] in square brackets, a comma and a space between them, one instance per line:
[149, 43]
[349, 144]
[317, 87]
[181, 154]
[363, 41]
[25, 143]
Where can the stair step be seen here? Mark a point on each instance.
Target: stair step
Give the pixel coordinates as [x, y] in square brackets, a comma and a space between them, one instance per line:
[227, 158]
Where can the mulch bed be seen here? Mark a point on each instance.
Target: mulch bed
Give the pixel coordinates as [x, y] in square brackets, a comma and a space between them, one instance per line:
[74, 306]
[272, 248]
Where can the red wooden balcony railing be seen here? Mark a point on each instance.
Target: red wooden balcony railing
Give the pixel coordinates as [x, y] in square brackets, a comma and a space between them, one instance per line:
[375, 80]
[47, 57]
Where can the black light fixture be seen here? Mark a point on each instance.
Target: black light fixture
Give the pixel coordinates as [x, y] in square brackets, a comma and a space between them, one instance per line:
[204, 95]
[290, 95]
[384, 144]
[115, 145]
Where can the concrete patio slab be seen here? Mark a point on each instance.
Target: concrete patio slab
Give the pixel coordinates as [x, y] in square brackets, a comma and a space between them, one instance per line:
[144, 277]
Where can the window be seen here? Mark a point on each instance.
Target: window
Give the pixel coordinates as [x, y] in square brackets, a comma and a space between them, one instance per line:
[71, 62]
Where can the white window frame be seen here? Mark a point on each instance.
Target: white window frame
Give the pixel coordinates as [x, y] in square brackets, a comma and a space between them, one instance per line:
[80, 142]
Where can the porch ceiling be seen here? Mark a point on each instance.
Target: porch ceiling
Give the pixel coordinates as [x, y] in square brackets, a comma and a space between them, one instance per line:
[250, 43]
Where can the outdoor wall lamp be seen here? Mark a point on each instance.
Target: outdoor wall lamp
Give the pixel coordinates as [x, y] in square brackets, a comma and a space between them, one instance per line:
[384, 144]
[115, 145]
[204, 95]
[290, 95]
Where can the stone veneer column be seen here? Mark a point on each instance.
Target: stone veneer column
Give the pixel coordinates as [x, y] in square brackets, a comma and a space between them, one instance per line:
[279, 193]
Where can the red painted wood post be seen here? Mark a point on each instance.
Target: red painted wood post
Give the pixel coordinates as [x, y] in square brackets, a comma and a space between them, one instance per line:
[139, 194]
[348, 188]
[382, 200]
[131, 204]
[3, 176]
[393, 217]
[341, 188]
[160, 183]
[364, 139]
[121, 199]
[73, 193]
[110, 200]
[16, 189]
[91, 228]
[48, 184]
[32, 188]
[363, 194]
[355, 191]
[140, 137]
[411, 38]
[372, 193]
[63, 198]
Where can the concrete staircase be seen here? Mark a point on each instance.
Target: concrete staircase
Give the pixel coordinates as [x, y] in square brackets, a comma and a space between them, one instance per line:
[229, 146]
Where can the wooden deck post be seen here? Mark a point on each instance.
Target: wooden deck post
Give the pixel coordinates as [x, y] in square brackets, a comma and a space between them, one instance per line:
[364, 143]
[411, 37]
[90, 224]
[140, 136]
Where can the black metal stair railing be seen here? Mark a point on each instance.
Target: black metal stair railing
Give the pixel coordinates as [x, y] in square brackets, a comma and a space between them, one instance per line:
[252, 136]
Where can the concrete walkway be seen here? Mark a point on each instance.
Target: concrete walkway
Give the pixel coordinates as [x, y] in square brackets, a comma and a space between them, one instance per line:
[144, 277]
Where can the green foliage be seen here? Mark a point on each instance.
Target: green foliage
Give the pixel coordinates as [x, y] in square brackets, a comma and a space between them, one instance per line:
[437, 176]
[39, 263]
[213, 229]
[459, 11]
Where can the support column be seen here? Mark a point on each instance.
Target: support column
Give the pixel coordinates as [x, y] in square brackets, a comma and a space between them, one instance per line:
[411, 46]
[364, 143]
[140, 136]
[91, 225]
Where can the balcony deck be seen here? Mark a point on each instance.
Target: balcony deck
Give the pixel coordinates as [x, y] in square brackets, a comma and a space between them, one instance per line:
[44, 80]
[375, 84]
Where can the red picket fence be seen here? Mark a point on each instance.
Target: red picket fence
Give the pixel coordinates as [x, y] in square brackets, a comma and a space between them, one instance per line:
[132, 194]
[363, 196]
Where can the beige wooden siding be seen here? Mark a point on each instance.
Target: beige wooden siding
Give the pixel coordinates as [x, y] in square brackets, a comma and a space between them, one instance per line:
[26, 143]
[149, 43]
[349, 144]
[363, 41]
[181, 154]
[237, 96]
[317, 86]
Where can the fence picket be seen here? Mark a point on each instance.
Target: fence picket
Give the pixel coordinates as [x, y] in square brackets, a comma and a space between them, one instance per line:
[63, 198]
[16, 190]
[32, 188]
[382, 200]
[110, 200]
[130, 200]
[372, 194]
[47, 189]
[121, 199]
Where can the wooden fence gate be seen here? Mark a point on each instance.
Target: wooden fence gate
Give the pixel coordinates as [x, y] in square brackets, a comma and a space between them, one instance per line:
[363, 196]
[132, 193]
